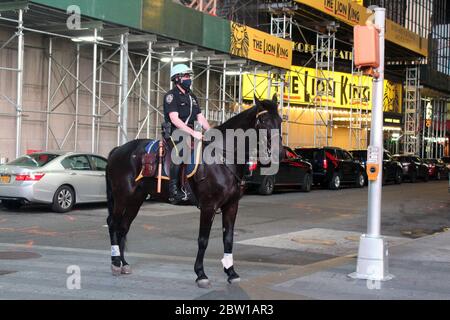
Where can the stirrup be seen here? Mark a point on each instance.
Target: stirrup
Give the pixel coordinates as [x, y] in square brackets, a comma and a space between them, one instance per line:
[175, 198]
[186, 194]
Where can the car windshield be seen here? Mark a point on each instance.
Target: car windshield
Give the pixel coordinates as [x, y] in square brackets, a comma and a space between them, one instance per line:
[33, 160]
[402, 158]
[306, 153]
[359, 155]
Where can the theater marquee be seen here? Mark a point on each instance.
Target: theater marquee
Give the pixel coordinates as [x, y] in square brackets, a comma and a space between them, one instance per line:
[259, 46]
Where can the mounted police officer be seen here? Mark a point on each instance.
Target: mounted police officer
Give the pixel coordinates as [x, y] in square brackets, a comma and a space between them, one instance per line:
[181, 110]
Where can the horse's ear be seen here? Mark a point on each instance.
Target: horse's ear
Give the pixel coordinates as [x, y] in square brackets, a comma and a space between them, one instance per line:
[275, 98]
[257, 102]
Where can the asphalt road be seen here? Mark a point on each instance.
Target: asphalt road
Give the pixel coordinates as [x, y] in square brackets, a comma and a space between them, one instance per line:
[273, 234]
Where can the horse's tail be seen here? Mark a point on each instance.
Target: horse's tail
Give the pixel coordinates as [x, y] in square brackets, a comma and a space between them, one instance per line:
[109, 193]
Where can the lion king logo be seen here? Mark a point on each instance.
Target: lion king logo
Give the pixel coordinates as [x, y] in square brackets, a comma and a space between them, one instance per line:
[239, 40]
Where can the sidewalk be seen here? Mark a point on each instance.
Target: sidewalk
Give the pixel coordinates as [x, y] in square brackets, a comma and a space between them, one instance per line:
[421, 268]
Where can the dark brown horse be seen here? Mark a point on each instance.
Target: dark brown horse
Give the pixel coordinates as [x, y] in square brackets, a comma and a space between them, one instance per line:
[215, 186]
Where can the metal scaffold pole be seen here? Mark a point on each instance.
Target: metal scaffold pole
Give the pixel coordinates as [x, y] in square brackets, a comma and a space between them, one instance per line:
[19, 106]
[94, 86]
[49, 92]
[149, 82]
[77, 98]
[324, 86]
[412, 99]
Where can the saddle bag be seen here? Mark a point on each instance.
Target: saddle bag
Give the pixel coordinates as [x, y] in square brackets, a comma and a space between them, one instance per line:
[149, 164]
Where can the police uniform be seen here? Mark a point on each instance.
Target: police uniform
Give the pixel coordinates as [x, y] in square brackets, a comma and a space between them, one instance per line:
[187, 106]
[177, 101]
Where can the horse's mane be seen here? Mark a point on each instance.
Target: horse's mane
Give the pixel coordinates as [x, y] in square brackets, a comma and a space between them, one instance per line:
[246, 118]
[238, 121]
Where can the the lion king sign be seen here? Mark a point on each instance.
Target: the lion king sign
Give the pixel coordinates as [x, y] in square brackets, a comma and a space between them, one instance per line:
[259, 46]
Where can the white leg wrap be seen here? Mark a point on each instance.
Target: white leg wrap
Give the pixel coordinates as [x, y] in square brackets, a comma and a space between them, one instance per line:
[115, 252]
[227, 260]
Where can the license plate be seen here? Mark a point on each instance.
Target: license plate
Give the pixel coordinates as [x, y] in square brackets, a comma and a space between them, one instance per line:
[5, 179]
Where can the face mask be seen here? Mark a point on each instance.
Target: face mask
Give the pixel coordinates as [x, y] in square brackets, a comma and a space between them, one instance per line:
[186, 84]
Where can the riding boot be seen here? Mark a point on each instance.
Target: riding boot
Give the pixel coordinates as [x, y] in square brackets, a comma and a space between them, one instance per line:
[175, 194]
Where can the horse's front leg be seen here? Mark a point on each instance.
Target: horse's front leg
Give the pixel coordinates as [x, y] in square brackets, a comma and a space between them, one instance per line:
[229, 213]
[134, 204]
[113, 221]
[206, 220]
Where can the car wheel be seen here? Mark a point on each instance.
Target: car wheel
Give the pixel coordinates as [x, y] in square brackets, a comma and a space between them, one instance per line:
[360, 181]
[413, 177]
[267, 186]
[398, 177]
[335, 182]
[11, 204]
[64, 199]
[307, 182]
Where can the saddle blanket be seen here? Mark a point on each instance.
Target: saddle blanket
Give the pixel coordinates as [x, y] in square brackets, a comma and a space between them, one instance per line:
[190, 168]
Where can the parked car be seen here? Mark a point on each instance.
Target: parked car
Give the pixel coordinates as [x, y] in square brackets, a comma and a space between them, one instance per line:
[437, 169]
[333, 166]
[446, 160]
[293, 171]
[392, 169]
[59, 179]
[413, 167]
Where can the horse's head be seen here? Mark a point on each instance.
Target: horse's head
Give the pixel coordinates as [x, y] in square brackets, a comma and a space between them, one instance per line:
[269, 120]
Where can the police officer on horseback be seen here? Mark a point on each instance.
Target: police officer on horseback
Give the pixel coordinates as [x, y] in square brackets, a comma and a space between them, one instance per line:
[181, 110]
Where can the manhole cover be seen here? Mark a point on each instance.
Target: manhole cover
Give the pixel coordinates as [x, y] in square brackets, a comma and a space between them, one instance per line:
[18, 255]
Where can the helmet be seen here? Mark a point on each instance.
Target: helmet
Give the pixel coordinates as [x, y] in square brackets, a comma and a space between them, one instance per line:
[179, 69]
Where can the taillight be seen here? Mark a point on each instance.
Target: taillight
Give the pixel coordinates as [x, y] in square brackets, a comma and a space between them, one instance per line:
[252, 166]
[325, 164]
[29, 177]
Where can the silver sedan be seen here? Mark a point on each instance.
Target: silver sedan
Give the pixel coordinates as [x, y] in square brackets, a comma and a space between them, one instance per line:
[60, 179]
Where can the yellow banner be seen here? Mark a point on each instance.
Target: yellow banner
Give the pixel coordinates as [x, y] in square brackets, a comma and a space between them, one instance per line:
[347, 92]
[259, 46]
[353, 14]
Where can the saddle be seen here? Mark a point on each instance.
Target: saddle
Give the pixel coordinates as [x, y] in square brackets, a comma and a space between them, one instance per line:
[150, 161]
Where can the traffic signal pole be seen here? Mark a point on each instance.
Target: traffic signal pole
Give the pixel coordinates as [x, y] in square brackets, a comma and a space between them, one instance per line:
[372, 261]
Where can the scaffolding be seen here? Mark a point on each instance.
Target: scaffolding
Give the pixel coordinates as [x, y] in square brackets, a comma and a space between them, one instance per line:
[207, 6]
[281, 25]
[122, 93]
[358, 122]
[411, 107]
[324, 86]
[434, 128]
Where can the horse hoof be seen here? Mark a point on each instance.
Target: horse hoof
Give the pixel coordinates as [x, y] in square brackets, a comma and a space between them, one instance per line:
[204, 283]
[126, 269]
[234, 280]
[116, 271]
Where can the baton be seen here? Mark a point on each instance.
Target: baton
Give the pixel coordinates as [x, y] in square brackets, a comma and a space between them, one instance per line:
[160, 165]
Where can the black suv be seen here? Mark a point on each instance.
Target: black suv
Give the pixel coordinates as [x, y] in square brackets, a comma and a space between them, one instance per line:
[333, 166]
[392, 169]
[413, 167]
[293, 171]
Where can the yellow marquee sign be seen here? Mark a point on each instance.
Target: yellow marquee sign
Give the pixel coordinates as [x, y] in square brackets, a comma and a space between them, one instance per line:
[353, 14]
[259, 46]
[346, 92]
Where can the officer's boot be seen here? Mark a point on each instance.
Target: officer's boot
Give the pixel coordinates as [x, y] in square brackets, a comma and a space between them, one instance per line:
[175, 194]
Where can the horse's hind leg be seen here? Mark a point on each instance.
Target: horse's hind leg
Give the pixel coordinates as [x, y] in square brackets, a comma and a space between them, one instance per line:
[206, 220]
[229, 213]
